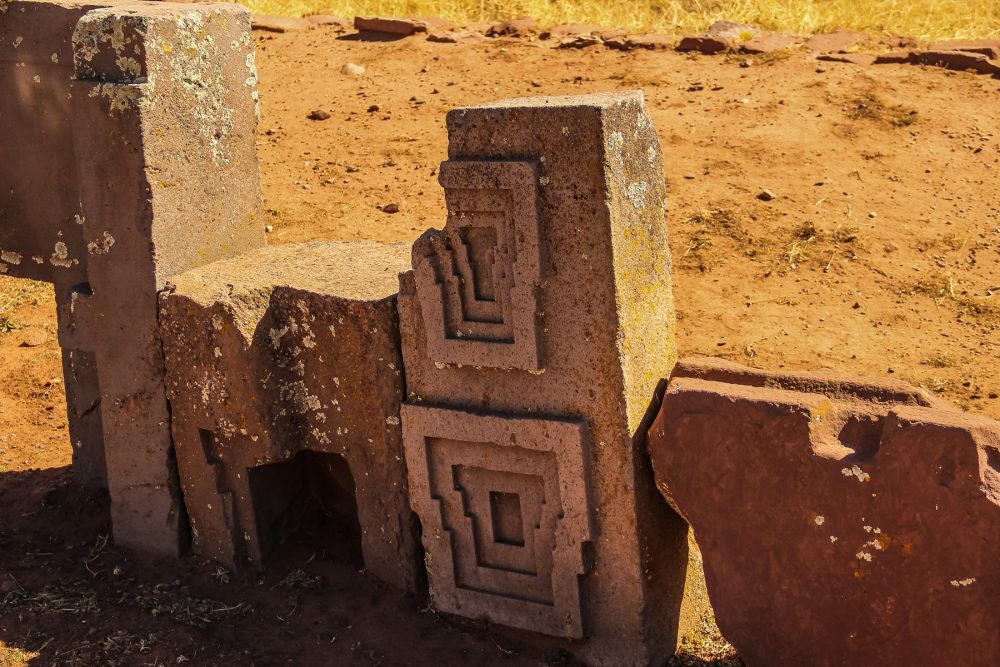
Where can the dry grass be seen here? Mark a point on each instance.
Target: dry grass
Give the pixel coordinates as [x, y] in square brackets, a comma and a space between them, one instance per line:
[928, 19]
[15, 293]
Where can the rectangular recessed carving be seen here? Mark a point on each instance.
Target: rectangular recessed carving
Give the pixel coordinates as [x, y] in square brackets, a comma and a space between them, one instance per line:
[478, 279]
[505, 510]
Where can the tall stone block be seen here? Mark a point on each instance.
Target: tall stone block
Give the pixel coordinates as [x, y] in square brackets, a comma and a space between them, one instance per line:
[114, 115]
[285, 379]
[536, 327]
[842, 520]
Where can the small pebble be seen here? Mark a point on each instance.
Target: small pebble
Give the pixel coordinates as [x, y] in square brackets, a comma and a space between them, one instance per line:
[766, 195]
[318, 114]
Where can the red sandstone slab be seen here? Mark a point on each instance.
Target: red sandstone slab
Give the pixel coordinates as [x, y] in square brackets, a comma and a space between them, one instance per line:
[837, 525]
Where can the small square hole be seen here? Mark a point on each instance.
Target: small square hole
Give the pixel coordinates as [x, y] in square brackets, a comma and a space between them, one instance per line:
[508, 524]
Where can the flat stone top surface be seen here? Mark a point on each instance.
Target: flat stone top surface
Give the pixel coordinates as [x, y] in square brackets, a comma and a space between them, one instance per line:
[591, 100]
[357, 270]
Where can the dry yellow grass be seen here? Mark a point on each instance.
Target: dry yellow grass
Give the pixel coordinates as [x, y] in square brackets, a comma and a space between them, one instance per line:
[925, 19]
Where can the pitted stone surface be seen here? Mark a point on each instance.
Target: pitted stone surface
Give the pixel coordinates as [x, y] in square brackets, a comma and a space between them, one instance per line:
[285, 350]
[842, 521]
[107, 197]
[576, 259]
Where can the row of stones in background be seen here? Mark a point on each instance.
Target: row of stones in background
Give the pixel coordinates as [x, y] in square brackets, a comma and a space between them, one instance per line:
[723, 37]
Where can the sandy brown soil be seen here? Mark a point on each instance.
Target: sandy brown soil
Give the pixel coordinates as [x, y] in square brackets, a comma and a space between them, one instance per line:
[880, 254]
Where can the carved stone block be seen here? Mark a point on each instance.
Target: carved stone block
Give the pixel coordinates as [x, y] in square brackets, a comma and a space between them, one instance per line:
[842, 520]
[285, 379]
[506, 513]
[546, 301]
[478, 280]
[105, 196]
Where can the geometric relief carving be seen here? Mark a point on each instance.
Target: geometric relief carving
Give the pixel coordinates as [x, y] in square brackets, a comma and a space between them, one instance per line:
[504, 505]
[478, 279]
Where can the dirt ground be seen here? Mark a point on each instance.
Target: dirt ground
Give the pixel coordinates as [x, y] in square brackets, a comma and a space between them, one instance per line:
[879, 253]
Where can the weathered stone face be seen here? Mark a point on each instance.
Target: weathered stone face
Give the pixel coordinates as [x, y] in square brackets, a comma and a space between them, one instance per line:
[122, 111]
[842, 521]
[275, 359]
[535, 329]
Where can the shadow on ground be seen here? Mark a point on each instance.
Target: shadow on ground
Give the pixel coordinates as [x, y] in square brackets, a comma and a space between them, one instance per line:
[69, 597]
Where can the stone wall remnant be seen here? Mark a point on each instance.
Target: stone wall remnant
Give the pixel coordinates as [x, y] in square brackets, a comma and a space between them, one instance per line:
[842, 520]
[285, 378]
[121, 110]
[535, 328]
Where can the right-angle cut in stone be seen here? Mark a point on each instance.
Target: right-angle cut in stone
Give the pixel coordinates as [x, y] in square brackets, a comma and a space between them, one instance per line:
[506, 513]
[477, 280]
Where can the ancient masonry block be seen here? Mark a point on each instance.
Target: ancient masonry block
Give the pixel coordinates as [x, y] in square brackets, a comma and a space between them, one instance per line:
[285, 379]
[120, 112]
[536, 327]
[842, 521]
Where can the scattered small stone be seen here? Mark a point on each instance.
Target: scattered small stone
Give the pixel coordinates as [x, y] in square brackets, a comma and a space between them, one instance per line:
[350, 69]
[705, 44]
[768, 43]
[318, 114]
[689, 177]
[536, 84]
[519, 27]
[650, 42]
[852, 58]
[838, 41]
[766, 195]
[34, 338]
[391, 208]
[268, 229]
[956, 60]
[389, 26]
[872, 215]
[893, 57]
[987, 47]
[351, 169]
[695, 87]
[746, 62]
[373, 108]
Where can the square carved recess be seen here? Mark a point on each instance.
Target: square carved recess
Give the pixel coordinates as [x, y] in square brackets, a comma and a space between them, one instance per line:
[505, 512]
[478, 281]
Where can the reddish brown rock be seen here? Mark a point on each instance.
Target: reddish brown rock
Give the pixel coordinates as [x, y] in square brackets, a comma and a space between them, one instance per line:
[852, 58]
[838, 41]
[271, 23]
[734, 32]
[580, 42]
[705, 44]
[520, 27]
[894, 58]
[895, 42]
[285, 379]
[957, 60]
[121, 113]
[454, 36]
[535, 327]
[651, 42]
[987, 47]
[768, 43]
[390, 26]
[565, 30]
[842, 521]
